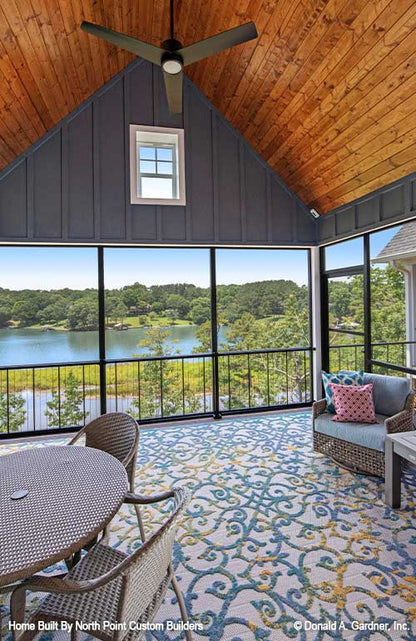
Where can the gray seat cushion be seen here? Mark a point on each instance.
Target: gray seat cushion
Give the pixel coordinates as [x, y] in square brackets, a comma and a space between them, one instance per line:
[389, 392]
[364, 434]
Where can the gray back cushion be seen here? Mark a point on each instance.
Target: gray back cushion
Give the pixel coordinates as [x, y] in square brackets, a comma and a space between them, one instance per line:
[389, 392]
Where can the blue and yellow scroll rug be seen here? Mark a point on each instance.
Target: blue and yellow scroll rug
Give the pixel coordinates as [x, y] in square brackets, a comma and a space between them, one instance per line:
[279, 543]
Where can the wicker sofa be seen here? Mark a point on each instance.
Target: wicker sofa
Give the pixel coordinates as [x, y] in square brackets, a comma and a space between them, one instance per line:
[360, 447]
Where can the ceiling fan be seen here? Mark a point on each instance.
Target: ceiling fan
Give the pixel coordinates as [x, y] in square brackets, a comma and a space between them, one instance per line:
[172, 56]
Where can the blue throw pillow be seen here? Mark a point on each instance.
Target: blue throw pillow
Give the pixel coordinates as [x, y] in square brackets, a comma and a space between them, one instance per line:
[342, 378]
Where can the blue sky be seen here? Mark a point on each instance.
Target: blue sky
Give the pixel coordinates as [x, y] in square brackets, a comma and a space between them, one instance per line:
[350, 252]
[57, 267]
[54, 268]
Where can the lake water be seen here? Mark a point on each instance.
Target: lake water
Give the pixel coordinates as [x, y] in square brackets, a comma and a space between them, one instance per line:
[22, 346]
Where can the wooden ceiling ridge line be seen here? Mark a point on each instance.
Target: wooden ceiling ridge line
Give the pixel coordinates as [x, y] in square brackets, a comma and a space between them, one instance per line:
[66, 43]
[48, 35]
[223, 23]
[81, 56]
[332, 102]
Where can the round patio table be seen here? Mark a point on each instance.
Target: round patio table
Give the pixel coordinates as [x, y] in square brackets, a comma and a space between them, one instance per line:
[53, 500]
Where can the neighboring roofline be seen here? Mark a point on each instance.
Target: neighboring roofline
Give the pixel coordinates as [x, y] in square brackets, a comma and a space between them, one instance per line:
[395, 256]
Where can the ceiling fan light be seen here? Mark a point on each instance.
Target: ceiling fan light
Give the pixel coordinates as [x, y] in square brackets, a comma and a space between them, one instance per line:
[172, 66]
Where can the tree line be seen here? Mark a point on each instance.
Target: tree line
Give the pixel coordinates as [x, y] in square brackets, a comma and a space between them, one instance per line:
[78, 309]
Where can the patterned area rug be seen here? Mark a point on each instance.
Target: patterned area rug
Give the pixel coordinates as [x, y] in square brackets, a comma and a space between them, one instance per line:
[279, 543]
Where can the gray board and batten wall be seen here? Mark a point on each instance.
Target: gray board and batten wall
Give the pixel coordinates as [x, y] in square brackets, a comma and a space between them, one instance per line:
[72, 186]
[389, 205]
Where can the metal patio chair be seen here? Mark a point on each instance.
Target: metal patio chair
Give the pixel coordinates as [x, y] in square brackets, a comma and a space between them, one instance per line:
[108, 585]
[116, 433]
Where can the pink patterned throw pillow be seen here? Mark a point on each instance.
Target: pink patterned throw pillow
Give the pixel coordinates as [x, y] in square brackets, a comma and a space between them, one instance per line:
[353, 403]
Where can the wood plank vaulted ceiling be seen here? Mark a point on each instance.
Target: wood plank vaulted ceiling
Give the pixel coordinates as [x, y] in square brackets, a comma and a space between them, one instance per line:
[326, 94]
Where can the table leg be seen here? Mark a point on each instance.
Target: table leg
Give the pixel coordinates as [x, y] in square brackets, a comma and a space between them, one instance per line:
[392, 476]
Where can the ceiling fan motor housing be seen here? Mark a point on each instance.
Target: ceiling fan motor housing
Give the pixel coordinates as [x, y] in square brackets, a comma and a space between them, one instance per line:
[171, 62]
[171, 44]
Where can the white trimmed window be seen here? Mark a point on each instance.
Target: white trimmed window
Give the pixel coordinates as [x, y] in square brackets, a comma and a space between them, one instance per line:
[157, 166]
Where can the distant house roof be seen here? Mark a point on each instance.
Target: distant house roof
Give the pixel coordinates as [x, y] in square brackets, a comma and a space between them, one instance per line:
[402, 245]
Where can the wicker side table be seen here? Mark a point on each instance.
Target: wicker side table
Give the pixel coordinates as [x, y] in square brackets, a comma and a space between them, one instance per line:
[68, 495]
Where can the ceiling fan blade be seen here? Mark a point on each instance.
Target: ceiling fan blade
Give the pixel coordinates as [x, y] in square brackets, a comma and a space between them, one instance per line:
[143, 49]
[220, 42]
[174, 90]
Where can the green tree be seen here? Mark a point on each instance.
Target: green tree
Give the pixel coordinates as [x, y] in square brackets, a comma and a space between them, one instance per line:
[66, 410]
[388, 304]
[25, 312]
[5, 315]
[339, 297]
[200, 311]
[83, 315]
[291, 330]
[53, 313]
[178, 304]
[162, 388]
[243, 334]
[12, 412]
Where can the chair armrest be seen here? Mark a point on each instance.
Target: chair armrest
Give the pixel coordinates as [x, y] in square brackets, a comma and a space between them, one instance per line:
[401, 422]
[409, 405]
[318, 408]
[77, 436]
[138, 499]
[61, 584]
[57, 585]
[52, 585]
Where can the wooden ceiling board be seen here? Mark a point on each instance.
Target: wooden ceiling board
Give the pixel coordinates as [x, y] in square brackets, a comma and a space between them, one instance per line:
[325, 94]
[328, 95]
[369, 73]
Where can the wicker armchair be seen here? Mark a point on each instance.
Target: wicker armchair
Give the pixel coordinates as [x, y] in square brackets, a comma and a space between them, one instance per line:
[109, 586]
[356, 457]
[117, 434]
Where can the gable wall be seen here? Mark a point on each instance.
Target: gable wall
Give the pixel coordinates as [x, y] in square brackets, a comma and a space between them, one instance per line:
[73, 185]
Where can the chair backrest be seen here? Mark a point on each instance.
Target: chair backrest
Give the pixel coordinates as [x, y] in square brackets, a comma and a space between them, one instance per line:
[389, 392]
[147, 571]
[116, 433]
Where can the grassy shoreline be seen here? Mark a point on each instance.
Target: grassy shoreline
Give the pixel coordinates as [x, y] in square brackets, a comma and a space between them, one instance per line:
[132, 322]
